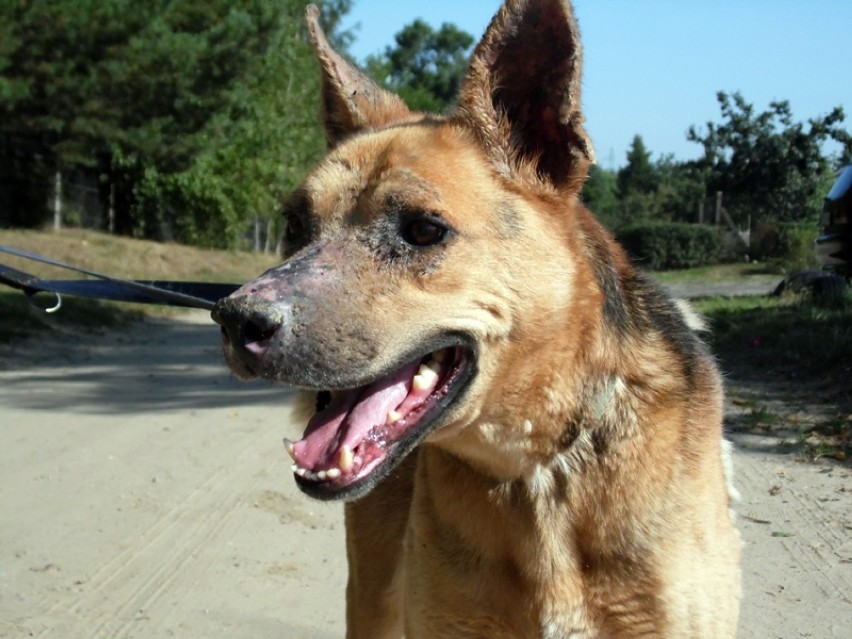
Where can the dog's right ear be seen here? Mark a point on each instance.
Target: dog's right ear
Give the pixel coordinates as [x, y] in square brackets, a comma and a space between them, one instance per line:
[352, 102]
[521, 95]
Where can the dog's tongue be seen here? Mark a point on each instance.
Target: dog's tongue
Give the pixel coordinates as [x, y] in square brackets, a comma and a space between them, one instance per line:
[350, 417]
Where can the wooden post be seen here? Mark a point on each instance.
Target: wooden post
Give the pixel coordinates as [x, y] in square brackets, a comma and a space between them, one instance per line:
[701, 212]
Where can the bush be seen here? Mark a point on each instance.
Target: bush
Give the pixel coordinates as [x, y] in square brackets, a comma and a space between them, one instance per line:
[191, 207]
[790, 243]
[670, 245]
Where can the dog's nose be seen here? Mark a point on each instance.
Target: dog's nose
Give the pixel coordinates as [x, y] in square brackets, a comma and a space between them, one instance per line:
[248, 325]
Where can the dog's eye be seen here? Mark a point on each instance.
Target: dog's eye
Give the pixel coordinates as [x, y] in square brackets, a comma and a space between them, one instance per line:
[423, 231]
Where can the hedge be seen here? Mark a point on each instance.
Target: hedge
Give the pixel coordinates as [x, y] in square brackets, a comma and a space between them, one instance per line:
[671, 245]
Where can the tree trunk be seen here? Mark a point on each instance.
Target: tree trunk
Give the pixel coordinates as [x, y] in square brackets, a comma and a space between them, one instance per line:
[270, 229]
[111, 209]
[718, 208]
[57, 200]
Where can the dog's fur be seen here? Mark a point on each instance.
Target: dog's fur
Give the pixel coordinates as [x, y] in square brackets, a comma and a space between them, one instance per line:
[573, 485]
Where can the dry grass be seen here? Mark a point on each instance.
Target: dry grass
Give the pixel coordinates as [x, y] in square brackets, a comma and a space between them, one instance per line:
[115, 256]
[129, 258]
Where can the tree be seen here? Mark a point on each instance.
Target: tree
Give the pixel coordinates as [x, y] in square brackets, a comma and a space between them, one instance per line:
[680, 190]
[425, 67]
[99, 79]
[144, 76]
[192, 112]
[259, 147]
[639, 175]
[600, 196]
[767, 165]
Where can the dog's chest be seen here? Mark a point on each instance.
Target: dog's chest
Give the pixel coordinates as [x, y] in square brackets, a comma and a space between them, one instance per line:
[477, 571]
[472, 604]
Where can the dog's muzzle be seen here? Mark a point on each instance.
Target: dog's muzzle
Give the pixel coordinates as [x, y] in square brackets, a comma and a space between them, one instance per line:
[250, 327]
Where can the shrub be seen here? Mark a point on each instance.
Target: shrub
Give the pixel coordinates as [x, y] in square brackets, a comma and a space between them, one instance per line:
[789, 243]
[670, 245]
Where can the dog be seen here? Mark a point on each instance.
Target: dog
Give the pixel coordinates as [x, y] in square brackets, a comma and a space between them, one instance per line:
[525, 430]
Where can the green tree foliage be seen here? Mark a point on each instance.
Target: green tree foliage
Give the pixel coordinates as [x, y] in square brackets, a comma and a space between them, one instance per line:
[425, 67]
[645, 189]
[146, 77]
[639, 175]
[600, 196]
[767, 165]
[636, 185]
[196, 114]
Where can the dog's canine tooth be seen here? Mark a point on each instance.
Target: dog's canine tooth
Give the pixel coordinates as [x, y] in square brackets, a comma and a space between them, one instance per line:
[393, 416]
[346, 459]
[288, 446]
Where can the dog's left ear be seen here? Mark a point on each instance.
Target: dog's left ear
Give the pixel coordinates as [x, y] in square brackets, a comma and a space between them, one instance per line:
[352, 102]
[521, 95]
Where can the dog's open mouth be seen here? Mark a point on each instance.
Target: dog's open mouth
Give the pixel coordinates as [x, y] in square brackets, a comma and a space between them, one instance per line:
[358, 435]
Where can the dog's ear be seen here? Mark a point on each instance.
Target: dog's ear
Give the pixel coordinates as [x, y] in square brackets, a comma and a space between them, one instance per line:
[521, 94]
[352, 102]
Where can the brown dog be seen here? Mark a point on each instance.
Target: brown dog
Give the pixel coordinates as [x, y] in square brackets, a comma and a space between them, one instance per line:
[528, 432]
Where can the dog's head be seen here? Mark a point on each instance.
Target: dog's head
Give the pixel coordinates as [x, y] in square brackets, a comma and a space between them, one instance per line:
[428, 261]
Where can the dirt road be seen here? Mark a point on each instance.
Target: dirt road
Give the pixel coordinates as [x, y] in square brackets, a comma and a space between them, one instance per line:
[144, 494]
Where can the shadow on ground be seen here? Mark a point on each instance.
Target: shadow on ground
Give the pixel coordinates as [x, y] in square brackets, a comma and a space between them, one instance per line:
[155, 365]
[783, 410]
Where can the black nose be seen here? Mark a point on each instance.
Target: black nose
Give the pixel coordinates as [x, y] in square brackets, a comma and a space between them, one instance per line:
[248, 324]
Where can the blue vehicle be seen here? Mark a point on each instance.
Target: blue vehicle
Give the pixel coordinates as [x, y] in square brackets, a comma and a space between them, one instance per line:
[834, 245]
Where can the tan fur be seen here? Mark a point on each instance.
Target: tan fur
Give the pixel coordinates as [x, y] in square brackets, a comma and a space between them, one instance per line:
[578, 488]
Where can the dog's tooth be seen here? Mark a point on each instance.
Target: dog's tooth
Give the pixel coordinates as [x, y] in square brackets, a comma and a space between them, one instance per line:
[434, 366]
[428, 370]
[301, 472]
[333, 473]
[321, 475]
[346, 459]
[425, 378]
[394, 416]
[289, 447]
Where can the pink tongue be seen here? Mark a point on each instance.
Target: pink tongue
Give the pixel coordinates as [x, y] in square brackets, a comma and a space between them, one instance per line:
[350, 417]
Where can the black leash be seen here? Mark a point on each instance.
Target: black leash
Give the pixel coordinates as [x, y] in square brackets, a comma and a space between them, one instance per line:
[202, 295]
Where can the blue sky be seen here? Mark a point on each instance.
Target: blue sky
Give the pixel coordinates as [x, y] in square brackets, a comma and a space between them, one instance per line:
[653, 67]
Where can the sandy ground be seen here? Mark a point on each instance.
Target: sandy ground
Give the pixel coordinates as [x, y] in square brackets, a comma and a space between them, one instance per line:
[144, 493]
